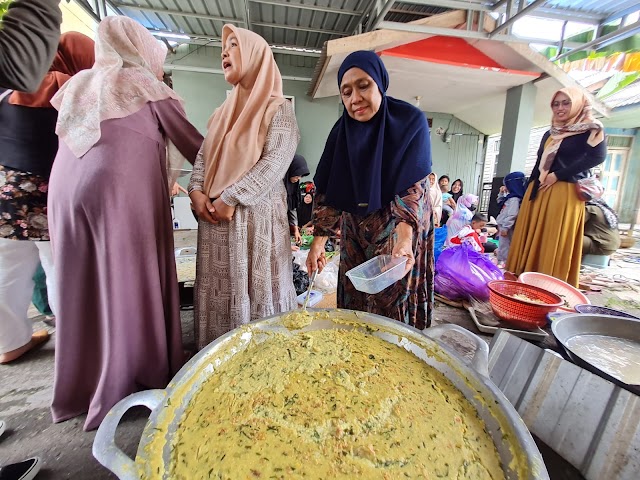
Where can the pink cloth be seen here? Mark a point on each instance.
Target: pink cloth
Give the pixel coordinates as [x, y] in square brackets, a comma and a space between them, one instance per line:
[118, 328]
[126, 75]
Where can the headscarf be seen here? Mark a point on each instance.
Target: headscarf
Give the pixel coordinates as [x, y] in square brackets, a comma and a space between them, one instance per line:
[436, 197]
[580, 121]
[516, 183]
[467, 200]
[456, 196]
[298, 168]
[366, 164]
[125, 77]
[609, 214]
[237, 130]
[75, 53]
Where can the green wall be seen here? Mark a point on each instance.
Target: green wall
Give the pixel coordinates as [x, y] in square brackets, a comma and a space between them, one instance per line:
[204, 92]
[462, 157]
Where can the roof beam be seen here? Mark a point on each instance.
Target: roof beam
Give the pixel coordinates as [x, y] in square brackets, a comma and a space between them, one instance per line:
[510, 21]
[178, 13]
[621, 13]
[302, 29]
[247, 17]
[429, 30]
[303, 6]
[497, 5]
[380, 17]
[453, 4]
[217, 42]
[607, 39]
[470, 34]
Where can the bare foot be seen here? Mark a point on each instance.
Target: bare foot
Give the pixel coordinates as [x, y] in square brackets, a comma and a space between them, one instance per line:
[37, 339]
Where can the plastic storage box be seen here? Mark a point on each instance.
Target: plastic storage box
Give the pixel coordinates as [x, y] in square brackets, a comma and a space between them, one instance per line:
[314, 298]
[376, 274]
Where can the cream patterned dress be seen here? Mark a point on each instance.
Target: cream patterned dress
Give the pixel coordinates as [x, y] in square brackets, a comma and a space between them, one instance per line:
[244, 270]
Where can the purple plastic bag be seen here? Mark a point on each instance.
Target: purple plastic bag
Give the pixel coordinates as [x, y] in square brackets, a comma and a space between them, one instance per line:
[462, 273]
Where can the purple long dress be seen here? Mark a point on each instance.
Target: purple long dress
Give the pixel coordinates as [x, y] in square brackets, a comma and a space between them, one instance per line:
[118, 323]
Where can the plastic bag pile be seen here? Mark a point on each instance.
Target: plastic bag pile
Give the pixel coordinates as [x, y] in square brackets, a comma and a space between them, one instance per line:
[462, 273]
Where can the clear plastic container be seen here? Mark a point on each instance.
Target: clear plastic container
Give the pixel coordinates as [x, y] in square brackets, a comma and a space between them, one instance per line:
[376, 274]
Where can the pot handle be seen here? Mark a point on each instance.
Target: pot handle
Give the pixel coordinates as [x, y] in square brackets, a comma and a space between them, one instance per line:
[105, 449]
[480, 360]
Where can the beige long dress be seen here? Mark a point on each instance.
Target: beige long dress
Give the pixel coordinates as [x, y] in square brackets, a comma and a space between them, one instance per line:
[244, 270]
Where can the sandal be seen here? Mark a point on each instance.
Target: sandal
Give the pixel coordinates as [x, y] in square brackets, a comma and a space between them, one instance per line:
[37, 339]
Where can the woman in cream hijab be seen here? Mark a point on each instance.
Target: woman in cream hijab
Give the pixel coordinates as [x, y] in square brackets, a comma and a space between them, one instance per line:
[436, 199]
[549, 230]
[244, 269]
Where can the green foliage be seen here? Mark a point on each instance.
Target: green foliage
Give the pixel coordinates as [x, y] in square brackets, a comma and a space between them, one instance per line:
[4, 5]
[617, 83]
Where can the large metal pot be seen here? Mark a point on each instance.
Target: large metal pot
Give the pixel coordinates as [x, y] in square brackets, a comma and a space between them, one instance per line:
[518, 452]
[572, 325]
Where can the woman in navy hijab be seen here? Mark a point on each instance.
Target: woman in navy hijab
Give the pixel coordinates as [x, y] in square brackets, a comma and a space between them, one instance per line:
[372, 185]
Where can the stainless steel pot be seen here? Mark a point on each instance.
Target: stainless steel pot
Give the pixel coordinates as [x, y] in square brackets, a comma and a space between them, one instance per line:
[518, 452]
[571, 325]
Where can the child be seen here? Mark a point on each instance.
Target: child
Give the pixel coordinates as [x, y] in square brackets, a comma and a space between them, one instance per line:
[461, 216]
[472, 234]
[515, 184]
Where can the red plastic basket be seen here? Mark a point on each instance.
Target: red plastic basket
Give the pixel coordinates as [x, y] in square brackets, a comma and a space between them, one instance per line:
[520, 312]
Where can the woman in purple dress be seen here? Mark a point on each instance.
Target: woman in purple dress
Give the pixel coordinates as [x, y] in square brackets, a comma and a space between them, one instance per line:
[118, 325]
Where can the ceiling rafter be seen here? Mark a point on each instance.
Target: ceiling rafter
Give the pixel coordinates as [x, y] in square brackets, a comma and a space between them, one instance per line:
[301, 28]
[304, 6]
[180, 13]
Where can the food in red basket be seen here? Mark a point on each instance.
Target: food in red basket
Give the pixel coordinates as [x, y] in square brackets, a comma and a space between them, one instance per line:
[523, 297]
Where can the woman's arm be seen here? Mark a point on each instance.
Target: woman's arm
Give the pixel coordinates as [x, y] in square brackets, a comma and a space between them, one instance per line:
[410, 208]
[586, 159]
[280, 147]
[196, 182]
[326, 223]
[29, 36]
[177, 128]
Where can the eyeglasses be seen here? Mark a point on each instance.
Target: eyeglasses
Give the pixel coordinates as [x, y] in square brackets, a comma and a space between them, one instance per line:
[564, 103]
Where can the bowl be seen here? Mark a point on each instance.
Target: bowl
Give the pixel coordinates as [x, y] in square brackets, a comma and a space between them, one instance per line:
[376, 274]
[596, 310]
[569, 294]
[523, 313]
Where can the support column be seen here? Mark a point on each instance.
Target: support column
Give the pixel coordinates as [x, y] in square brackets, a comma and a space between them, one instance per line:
[516, 129]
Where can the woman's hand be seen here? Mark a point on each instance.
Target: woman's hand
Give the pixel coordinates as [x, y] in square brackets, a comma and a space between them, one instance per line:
[176, 189]
[451, 202]
[316, 259]
[404, 245]
[223, 212]
[504, 233]
[548, 181]
[202, 206]
[296, 235]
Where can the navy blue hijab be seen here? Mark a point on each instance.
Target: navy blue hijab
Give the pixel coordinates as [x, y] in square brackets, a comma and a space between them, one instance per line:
[516, 183]
[366, 164]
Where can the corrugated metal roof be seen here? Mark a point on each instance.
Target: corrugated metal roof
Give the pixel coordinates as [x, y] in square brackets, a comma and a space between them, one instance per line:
[310, 23]
[629, 95]
[604, 8]
[404, 12]
[301, 23]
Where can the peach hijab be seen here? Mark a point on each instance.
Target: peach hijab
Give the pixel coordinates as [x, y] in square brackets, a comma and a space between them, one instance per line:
[580, 120]
[237, 130]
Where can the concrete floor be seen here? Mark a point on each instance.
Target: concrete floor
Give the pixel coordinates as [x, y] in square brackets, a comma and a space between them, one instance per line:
[26, 390]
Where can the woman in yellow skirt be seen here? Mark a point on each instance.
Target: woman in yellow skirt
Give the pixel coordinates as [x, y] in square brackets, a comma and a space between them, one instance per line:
[550, 225]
